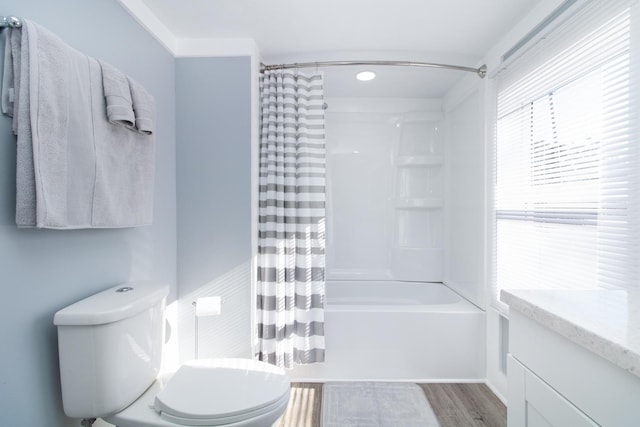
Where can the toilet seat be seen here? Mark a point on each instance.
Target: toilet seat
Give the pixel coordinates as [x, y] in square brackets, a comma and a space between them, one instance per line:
[226, 391]
[224, 421]
[211, 392]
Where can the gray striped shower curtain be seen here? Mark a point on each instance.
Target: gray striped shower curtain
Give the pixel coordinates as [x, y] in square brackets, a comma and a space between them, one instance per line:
[291, 251]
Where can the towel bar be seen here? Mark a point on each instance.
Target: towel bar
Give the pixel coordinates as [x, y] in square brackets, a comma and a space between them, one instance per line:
[10, 21]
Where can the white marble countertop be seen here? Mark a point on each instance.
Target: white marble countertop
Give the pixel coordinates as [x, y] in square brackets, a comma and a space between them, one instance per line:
[606, 322]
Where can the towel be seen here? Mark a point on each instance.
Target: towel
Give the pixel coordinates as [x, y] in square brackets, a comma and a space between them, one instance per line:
[8, 91]
[118, 96]
[143, 107]
[124, 171]
[19, 87]
[11, 69]
[74, 168]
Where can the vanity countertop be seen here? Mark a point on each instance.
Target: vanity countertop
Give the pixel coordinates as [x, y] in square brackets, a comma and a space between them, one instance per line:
[606, 322]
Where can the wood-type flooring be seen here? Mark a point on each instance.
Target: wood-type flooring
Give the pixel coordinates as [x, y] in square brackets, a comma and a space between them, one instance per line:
[455, 405]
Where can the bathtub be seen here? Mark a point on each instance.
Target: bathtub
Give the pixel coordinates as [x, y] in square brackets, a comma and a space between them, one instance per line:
[400, 331]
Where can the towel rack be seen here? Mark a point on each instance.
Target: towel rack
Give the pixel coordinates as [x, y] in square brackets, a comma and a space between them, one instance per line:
[10, 21]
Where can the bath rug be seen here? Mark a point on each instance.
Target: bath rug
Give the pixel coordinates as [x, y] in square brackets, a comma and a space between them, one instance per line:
[375, 404]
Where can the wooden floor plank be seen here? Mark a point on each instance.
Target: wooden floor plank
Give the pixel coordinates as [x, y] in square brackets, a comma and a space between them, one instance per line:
[304, 406]
[462, 405]
[455, 405]
[447, 405]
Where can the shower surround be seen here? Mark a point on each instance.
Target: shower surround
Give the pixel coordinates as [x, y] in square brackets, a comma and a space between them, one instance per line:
[385, 189]
[387, 316]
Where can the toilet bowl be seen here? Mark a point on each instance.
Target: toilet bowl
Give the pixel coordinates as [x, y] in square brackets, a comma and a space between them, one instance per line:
[110, 348]
[211, 392]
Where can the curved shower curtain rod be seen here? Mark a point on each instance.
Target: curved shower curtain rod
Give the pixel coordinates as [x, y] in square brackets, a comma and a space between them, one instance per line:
[15, 22]
[481, 71]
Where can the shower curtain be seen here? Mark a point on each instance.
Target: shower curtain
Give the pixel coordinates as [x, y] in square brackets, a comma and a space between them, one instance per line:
[291, 228]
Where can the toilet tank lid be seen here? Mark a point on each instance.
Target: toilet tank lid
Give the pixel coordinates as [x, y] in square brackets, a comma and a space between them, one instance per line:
[113, 304]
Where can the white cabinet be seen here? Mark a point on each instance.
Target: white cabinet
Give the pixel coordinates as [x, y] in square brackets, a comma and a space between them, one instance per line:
[555, 382]
[533, 403]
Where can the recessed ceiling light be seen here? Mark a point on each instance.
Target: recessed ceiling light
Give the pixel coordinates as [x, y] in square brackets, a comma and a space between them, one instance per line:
[365, 76]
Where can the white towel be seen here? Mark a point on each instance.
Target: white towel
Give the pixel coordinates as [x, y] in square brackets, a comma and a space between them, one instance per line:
[74, 169]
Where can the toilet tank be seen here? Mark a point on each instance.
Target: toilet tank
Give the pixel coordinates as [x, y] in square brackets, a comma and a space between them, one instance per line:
[110, 347]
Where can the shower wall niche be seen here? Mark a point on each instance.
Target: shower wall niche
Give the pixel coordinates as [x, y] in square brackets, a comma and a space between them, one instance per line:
[385, 189]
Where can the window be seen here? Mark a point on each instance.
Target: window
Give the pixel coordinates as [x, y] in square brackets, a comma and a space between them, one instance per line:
[567, 200]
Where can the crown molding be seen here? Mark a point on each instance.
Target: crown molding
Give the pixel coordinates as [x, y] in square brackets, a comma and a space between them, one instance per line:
[185, 47]
[216, 47]
[150, 22]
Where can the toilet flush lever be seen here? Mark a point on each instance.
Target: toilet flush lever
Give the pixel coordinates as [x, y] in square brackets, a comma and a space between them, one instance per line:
[124, 289]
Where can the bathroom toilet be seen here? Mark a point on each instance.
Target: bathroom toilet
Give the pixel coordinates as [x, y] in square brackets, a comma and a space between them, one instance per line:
[110, 347]
[211, 392]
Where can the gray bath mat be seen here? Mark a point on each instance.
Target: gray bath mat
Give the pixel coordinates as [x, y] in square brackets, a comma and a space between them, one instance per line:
[375, 404]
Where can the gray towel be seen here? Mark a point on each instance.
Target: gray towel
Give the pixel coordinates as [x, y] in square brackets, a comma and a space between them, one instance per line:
[74, 169]
[25, 173]
[15, 41]
[144, 107]
[11, 69]
[118, 96]
[124, 171]
[8, 90]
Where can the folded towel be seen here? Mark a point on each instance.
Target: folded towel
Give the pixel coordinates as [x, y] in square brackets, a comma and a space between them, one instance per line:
[25, 172]
[74, 168]
[8, 89]
[118, 96]
[15, 42]
[61, 129]
[144, 107]
[124, 172]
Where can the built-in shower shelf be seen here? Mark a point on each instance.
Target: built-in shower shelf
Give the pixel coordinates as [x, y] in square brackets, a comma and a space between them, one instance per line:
[417, 161]
[427, 203]
[415, 249]
[434, 117]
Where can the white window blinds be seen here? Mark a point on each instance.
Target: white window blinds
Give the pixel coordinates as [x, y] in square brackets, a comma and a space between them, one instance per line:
[567, 167]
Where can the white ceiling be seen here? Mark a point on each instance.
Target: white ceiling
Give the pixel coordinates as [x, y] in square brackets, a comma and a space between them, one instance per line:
[448, 31]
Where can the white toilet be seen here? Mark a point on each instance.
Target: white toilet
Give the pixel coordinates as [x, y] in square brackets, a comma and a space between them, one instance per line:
[110, 347]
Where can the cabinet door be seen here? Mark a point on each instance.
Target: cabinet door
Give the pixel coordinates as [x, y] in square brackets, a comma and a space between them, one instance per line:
[517, 408]
[536, 404]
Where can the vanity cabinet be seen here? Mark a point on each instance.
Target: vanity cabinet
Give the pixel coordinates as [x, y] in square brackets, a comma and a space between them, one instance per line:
[553, 381]
[534, 403]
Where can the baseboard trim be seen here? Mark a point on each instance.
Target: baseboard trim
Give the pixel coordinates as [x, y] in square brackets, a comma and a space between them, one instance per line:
[394, 380]
[497, 393]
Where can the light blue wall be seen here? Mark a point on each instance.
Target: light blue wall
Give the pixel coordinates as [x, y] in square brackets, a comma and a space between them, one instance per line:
[45, 270]
[213, 140]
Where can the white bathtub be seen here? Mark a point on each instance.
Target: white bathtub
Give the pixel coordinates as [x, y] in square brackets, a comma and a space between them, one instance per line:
[401, 331]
